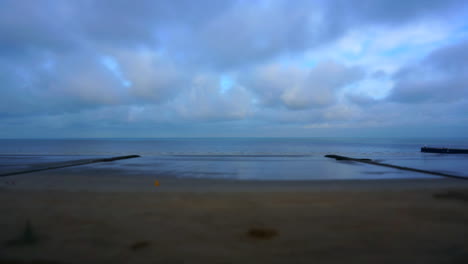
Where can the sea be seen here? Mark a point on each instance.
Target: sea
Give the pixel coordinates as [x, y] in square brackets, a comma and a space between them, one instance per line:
[241, 158]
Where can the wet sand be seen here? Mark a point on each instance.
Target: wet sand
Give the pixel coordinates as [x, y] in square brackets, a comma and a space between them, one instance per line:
[214, 221]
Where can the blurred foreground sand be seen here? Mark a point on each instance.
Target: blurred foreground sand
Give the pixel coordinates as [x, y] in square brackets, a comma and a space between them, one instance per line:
[368, 225]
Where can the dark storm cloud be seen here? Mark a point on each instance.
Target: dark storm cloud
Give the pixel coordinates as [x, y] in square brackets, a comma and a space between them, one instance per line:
[440, 77]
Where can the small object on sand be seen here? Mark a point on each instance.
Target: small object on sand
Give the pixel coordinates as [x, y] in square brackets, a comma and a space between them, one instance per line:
[156, 183]
[140, 245]
[28, 237]
[452, 195]
[262, 233]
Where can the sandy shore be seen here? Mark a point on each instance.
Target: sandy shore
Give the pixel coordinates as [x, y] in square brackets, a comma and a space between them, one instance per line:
[207, 221]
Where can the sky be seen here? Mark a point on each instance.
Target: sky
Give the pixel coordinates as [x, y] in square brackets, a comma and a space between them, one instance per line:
[244, 68]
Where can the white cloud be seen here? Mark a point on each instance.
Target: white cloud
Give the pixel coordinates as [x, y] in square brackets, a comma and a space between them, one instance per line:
[298, 88]
[205, 100]
[153, 76]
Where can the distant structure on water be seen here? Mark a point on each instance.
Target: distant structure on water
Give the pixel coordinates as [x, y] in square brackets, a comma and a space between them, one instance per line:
[444, 150]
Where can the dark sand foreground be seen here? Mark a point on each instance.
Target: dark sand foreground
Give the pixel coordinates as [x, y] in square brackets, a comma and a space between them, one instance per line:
[423, 221]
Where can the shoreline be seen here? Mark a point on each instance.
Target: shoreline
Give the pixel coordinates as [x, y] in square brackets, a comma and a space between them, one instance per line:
[109, 182]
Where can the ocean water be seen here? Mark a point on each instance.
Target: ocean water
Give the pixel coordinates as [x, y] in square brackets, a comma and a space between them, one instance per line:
[240, 158]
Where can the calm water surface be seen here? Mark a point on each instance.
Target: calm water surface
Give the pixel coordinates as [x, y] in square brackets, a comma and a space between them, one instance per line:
[241, 158]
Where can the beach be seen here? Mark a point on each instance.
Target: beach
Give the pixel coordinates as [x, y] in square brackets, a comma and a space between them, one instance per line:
[229, 201]
[233, 132]
[222, 221]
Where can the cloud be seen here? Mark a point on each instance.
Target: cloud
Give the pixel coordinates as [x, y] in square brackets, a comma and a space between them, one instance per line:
[206, 101]
[439, 77]
[298, 88]
[63, 25]
[259, 31]
[30, 28]
[83, 79]
[388, 12]
[152, 77]
[160, 64]
[254, 32]
[58, 83]
[361, 99]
